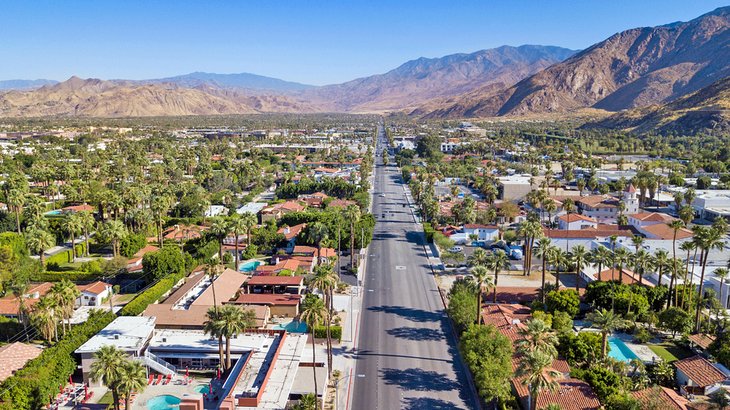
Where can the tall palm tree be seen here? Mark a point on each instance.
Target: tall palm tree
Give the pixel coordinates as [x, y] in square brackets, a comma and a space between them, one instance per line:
[620, 258]
[38, 241]
[160, 205]
[479, 257]
[19, 289]
[212, 326]
[238, 226]
[722, 274]
[496, 263]
[676, 225]
[688, 247]
[313, 315]
[71, 223]
[234, 321]
[325, 280]
[16, 200]
[531, 230]
[249, 221]
[316, 233]
[543, 252]
[352, 214]
[64, 294]
[556, 257]
[607, 321]
[114, 232]
[213, 271]
[106, 367]
[45, 318]
[480, 273]
[220, 228]
[538, 336]
[87, 221]
[637, 241]
[132, 379]
[661, 260]
[600, 257]
[534, 367]
[579, 258]
[708, 239]
[641, 259]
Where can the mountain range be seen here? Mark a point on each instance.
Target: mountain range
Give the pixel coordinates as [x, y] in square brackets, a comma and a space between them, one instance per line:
[644, 70]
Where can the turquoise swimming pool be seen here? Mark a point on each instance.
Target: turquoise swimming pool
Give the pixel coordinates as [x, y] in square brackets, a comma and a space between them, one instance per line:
[619, 351]
[294, 326]
[55, 212]
[202, 388]
[249, 266]
[163, 402]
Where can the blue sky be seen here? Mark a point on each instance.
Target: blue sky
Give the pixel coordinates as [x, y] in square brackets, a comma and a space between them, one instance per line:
[315, 42]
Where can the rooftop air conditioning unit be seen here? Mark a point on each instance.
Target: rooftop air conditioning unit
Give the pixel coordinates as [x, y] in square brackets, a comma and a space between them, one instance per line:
[116, 337]
[164, 340]
[515, 321]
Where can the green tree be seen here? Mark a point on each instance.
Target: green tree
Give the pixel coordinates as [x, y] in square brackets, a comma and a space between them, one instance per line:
[132, 379]
[534, 369]
[317, 232]
[352, 214]
[233, 321]
[39, 241]
[213, 326]
[544, 247]
[113, 232]
[563, 300]
[166, 261]
[313, 314]
[220, 229]
[72, 224]
[537, 336]
[480, 276]
[607, 321]
[488, 354]
[107, 367]
[496, 262]
[87, 222]
[675, 319]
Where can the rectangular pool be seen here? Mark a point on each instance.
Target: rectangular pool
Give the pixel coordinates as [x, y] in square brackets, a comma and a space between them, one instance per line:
[619, 351]
[249, 266]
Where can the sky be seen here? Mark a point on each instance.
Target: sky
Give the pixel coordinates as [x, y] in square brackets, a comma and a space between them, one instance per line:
[313, 42]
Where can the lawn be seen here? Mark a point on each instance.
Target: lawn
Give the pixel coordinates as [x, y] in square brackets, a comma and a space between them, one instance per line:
[107, 398]
[669, 351]
[124, 298]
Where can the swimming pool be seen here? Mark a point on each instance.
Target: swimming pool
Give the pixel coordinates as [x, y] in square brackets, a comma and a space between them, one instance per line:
[619, 351]
[202, 388]
[55, 212]
[249, 266]
[294, 326]
[163, 402]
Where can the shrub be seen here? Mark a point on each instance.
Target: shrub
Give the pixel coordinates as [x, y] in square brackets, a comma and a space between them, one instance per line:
[564, 300]
[488, 354]
[605, 382]
[131, 244]
[166, 261]
[320, 332]
[64, 256]
[151, 295]
[642, 335]
[72, 275]
[15, 242]
[429, 231]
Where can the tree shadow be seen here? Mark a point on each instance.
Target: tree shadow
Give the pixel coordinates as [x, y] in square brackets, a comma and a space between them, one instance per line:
[416, 333]
[419, 403]
[418, 380]
[415, 315]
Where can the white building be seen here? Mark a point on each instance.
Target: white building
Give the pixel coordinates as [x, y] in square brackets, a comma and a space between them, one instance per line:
[216, 210]
[93, 294]
[482, 232]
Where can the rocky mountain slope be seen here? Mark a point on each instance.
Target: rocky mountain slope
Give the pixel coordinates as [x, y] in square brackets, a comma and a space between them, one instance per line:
[241, 80]
[425, 78]
[97, 98]
[634, 68]
[707, 110]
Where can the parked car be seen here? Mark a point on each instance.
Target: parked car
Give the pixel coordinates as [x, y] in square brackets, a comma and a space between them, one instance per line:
[455, 249]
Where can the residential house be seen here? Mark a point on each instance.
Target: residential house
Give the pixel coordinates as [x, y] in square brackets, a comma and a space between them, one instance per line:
[605, 208]
[482, 232]
[134, 264]
[589, 237]
[325, 254]
[315, 200]
[275, 212]
[275, 284]
[93, 294]
[576, 222]
[216, 210]
[696, 375]
[10, 305]
[290, 235]
[661, 398]
[280, 305]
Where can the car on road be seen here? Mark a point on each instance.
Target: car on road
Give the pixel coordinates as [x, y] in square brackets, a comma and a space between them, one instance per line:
[456, 249]
[382, 195]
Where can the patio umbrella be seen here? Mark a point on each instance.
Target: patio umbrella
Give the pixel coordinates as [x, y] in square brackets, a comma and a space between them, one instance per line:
[210, 388]
[219, 373]
[70, 379]
[86, 391]
[187, 372]
[60, 389]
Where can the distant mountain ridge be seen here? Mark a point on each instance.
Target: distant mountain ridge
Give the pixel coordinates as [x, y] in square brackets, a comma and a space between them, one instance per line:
[239, 80]
[24, 84]
[633, 68]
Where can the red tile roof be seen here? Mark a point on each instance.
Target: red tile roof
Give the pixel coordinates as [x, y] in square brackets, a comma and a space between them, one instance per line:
[14, 357]
[572, 394]
[663, 231]
[700, 371]
[267, 299]
[95, 288]
[9, 304]
[576, 217]
[586, 233]
[629, 276]
[292, 232]
[263, 280]
[480, 226]
[661, 397]
[651, 217]
[702, 340]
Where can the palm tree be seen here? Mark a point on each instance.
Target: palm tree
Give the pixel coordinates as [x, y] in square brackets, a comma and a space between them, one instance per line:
[352, 214]
[313, 314]
[114, 232]
[720, 399]
[87, 221]
[579, 258]
[620, 257]
[556, 257]
[237, 226]
[212, 326]
[16, 200]
[220, 229]
[160, 205]
[687, 247]
[479, 257]
[71, 223]
[496, 263]
[642, 258]
[480, 273]
[325, 280]
[19, 289]
[709, 238]
[530, 230]
[637, 241]
[234, 321]
[543, 252]
[249, 221]
[600, 257]
[538, 336]
[45, 318]
[64, 294]
[38, 241]
[607, 321]
[132, 378]
[213, 271]
[106, 367]
[661, 259]
[538, 376]
[316, 233]
[722, 274]
[676, 225]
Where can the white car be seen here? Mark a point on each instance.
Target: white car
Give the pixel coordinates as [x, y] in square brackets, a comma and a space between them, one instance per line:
[456, 249]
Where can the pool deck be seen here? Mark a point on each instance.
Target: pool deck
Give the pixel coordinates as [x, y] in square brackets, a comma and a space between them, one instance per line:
[641, 351]
[177, 390]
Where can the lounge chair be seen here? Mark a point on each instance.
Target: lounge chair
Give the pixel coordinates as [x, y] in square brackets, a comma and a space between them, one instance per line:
[167, 379]
[151, 378]
[159, 379]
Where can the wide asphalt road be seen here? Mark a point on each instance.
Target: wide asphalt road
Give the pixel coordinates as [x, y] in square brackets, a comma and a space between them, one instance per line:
[407, 357]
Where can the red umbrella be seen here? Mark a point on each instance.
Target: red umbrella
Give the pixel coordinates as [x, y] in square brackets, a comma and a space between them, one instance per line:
[60, 389]
[70, 379]
[219, 373]
[86, 391]
[210, 388]
[187, 372]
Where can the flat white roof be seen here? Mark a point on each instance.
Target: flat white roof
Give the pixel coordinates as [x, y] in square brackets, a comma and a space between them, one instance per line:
[197, 341]
[253, 207]
[125, 332]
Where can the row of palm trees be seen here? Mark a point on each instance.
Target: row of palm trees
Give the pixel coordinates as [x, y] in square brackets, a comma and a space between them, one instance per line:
[56, 306]
[237, 224]
[227, 322]
[123, 375]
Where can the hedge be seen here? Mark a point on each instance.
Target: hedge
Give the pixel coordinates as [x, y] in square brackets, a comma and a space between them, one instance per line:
[35, 384]
[15, 242]
[429, 231]
[151, 295]
[65, 256]
[72, 275]
[9, 328]
[320, 332]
